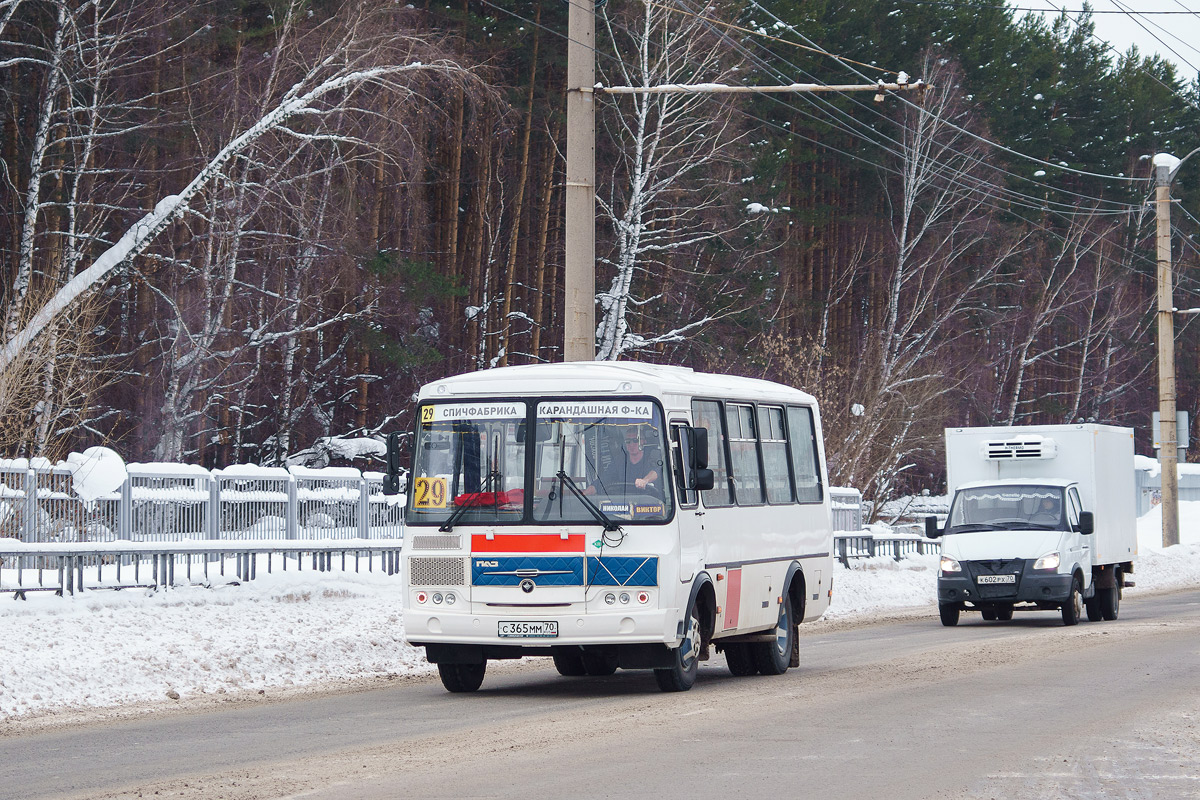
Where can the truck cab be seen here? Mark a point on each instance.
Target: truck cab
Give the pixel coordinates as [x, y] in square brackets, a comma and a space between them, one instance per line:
[1016, 541]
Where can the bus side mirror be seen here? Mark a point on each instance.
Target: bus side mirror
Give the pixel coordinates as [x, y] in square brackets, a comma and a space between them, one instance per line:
[391, 478]
[931, 528]
[698, 448]
[1087, 523]
[695, 444]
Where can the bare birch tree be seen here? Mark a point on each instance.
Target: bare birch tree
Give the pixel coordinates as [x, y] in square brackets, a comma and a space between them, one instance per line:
[668, 198]
[946, 245]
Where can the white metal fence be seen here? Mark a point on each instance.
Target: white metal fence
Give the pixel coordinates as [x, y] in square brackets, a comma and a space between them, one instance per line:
[177, 502]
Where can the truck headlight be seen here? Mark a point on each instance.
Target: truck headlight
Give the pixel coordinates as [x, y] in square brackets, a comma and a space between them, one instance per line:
[1049, 561]
[949, 565]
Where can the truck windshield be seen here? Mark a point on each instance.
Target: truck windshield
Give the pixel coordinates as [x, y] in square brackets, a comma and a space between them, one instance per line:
[1008, 508]
[591, 461]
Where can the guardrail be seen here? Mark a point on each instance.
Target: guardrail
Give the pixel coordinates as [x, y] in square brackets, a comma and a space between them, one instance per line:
[854, 546]
[74, 567]
[176, 502]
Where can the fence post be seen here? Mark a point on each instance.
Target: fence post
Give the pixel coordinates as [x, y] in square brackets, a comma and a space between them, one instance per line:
[29, 518]
[293, 513]
[364, 509]
[125, 510]
[214, 507]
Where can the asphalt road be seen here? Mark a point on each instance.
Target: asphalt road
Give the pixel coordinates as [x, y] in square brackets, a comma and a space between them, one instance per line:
[897, 709]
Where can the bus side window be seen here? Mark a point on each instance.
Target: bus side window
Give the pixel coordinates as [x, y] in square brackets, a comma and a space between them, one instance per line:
[775, 454]
[707, 414]
[803, 437]
[743, 455]
[687, 497]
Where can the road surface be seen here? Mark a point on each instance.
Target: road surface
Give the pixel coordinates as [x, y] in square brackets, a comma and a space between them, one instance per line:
[897, 709]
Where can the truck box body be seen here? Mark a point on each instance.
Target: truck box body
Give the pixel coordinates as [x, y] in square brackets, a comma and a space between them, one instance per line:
[1098, 457]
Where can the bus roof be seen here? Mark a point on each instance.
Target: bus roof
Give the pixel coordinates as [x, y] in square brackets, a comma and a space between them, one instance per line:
[609, 377]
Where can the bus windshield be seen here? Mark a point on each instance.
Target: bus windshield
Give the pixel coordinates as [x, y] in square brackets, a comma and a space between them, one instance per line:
[590, 460]
[469, 461]
[607, 453]
[986, 508]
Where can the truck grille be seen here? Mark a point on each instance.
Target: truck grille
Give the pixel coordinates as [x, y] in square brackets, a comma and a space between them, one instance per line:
[997, 591]
[435, 572]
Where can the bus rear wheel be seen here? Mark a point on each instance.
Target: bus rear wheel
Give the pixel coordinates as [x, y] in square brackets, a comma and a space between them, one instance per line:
[739, 659]
[462, 677]
[569, 663]
[773, 658]
[599, 663]
[681, 675]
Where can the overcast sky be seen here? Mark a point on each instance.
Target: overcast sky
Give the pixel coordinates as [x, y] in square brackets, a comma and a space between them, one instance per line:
[1174, 35]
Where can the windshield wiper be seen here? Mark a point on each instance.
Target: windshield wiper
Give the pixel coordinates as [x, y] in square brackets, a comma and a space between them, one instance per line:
[475, 502]
[971, 527]
[601, 517]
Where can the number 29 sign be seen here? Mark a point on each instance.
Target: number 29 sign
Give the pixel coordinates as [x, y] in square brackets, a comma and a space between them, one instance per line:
[429, 493]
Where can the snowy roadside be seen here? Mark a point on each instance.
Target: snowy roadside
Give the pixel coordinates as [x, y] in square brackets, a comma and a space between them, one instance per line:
[294, 630]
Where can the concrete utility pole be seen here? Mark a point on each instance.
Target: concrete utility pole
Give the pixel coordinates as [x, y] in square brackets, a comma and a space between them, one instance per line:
[579, 278]
[1165, 167]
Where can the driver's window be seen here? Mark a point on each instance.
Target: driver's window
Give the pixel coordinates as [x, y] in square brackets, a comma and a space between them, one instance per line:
[680, 458]
[1073, 509]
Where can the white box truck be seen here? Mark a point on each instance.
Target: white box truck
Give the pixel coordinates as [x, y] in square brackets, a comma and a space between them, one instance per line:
[1042, 517]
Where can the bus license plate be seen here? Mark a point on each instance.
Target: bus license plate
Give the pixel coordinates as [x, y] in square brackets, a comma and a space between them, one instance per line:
[996, 579]
[535, 629]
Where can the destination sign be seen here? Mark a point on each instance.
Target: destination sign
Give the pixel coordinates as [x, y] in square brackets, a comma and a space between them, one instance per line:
[595, 408]
[454, 412]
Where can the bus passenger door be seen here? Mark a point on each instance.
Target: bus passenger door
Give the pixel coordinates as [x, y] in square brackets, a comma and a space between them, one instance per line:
[690, 516]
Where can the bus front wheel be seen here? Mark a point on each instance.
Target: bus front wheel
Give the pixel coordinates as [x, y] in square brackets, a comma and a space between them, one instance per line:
[462, 677]
[680, 676]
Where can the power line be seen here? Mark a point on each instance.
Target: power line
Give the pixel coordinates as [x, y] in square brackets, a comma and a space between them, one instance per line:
[973, 135]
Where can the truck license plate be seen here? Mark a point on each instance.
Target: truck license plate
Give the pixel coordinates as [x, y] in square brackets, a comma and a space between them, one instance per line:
[535, 629]
[996, 579]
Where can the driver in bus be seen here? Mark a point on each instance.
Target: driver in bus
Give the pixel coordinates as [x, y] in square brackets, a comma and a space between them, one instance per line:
[634, 468]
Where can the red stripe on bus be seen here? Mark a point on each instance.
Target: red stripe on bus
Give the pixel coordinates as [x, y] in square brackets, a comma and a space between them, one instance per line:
[527, 543]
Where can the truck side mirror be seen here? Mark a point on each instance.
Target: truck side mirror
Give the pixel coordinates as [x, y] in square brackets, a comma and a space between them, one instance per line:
[1087, 523]
[391, 478]
[703, 479]
[931, 528]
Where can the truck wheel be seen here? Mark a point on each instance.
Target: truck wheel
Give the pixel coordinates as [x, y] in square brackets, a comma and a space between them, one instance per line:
[680, 676]
[1110, 600]
[740, 659]
[1072, 608]
[599, 664]
[949, 614]
[462, 677]
[1093, 606]
[773, 658]
[1004, 613]
[569, 663]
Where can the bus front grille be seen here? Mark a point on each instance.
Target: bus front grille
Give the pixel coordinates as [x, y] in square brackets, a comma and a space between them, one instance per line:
[435, 572]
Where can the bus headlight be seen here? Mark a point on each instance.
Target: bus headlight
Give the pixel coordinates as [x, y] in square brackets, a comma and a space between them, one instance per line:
[1050, 561]
[948, 564]
[610, 598]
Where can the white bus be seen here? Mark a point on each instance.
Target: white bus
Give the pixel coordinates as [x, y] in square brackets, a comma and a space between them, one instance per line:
[613, 515]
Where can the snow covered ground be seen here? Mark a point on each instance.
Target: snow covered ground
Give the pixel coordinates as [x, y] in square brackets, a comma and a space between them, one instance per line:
[107, 649]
